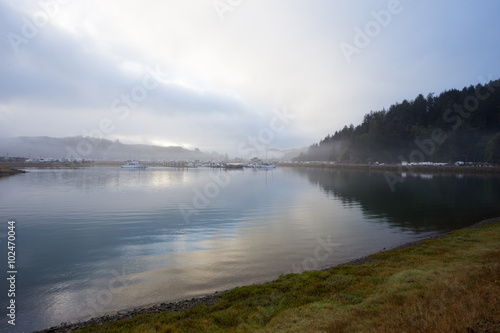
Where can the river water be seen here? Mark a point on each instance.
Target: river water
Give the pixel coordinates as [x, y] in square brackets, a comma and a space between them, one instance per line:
[96, 240]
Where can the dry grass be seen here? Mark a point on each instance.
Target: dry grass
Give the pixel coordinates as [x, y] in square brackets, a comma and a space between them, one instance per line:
[5, 171]
[463, 300]
[445, 285]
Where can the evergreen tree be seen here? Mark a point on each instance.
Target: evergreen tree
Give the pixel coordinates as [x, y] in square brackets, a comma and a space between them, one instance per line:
[469, 119]
[493, 149]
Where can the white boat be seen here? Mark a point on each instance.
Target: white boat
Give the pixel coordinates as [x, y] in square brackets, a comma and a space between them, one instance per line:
[133, 165]
[267, 166]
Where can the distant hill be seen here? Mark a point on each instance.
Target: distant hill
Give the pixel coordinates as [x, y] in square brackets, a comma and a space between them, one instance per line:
[95, 149]
[273, 154]
[457, 125]
[293, 153]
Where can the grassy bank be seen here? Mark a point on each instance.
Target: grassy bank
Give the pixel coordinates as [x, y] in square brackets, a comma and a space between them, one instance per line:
[4, 171]
[447, 284]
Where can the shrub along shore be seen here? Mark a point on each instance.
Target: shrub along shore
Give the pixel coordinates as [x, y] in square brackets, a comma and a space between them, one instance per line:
[448, 283]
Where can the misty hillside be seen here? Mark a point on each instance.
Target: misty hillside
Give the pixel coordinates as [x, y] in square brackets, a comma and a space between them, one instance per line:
[96, 149]
[456, 125]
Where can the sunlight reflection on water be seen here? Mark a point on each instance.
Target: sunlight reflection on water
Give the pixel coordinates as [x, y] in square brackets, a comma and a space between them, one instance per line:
[100, 239]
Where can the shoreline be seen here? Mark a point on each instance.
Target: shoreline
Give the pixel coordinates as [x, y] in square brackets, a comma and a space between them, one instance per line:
[44, 165]
[397, 169]
[211, 299]
[6, 171]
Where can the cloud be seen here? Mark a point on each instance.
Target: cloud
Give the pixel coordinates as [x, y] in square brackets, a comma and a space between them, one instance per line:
[224, 78]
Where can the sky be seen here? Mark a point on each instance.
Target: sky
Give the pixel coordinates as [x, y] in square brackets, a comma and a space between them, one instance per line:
[232, 76]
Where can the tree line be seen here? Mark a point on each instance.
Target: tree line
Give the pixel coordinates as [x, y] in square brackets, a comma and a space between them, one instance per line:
[457, 125]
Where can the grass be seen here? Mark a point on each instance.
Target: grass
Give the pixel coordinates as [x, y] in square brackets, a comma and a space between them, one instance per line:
[450, 284]
[4, 171]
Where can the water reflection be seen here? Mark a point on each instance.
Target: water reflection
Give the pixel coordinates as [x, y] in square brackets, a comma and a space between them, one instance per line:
[440, 202]
[97, 240]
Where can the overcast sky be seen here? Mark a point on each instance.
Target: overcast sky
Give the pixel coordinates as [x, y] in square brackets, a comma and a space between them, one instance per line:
[231, 75]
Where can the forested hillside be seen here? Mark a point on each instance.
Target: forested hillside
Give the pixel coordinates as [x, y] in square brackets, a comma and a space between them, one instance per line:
[456, 125]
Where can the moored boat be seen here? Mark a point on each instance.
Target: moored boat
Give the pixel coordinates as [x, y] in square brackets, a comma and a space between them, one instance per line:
[267, 166]
[133, 165]
[233, 166]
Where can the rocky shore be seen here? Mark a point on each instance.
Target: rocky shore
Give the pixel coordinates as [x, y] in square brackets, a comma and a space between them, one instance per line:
[211, 299]
[130, 313]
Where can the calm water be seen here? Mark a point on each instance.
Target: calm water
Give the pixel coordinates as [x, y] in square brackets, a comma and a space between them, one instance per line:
[101, 239]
